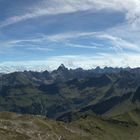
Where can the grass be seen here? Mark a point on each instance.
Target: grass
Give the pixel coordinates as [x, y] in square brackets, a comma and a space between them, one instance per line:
[23, 127]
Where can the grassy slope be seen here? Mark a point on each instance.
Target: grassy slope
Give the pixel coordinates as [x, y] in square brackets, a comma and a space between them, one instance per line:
[25, 127]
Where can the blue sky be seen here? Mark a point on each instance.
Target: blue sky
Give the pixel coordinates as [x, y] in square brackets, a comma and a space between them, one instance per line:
[42, 34]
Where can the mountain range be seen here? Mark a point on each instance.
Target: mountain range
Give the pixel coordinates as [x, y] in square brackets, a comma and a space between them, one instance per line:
[63, 90]
[109, 97]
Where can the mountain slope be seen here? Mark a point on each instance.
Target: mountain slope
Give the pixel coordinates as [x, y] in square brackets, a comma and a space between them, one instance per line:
[26, 127]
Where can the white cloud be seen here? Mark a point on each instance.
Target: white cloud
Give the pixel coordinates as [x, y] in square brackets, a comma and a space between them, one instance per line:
[116, 41]
[35, 48]
[73, 61]
[35, 43]
[119, 42]
[120, 37]
[59, 7]
[54, 7]
[81, 46]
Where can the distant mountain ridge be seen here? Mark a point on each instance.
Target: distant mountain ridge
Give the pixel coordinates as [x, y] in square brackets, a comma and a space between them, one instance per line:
[40, 68]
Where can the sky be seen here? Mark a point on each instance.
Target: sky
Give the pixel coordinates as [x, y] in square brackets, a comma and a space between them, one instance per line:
[42, 34]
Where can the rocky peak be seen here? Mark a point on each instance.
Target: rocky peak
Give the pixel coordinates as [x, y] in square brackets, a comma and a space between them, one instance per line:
[62, 68]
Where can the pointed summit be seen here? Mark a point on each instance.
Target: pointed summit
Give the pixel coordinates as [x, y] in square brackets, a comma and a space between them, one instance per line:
[97, 69]
[62, 68]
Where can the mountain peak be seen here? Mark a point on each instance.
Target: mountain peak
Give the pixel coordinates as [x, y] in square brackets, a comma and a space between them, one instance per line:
[62, 67]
